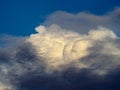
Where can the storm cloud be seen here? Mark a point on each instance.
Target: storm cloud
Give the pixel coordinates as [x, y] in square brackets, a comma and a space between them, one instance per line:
[68, 52]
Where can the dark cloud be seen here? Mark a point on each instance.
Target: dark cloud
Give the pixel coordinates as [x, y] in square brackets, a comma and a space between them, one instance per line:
[17, 61]
[72, 80]
[58, 59]
[22, 68]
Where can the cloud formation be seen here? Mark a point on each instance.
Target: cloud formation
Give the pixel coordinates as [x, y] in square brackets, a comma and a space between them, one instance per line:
[82, 22]
[74, 51]
[66, 47]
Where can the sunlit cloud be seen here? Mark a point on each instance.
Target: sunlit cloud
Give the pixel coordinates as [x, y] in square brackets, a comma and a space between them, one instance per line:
[72, 51]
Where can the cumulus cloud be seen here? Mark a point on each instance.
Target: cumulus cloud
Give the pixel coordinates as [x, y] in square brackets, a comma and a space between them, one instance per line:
[66, 47]
[74, 51]
[82, 22]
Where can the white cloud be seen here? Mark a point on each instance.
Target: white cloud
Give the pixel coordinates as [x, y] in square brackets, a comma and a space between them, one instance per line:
[82, 22]
[60, 47]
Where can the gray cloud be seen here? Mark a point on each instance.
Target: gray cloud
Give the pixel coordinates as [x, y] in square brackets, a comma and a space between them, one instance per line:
[82, 22]
[9, 40]
[17, 58]
[70, 52]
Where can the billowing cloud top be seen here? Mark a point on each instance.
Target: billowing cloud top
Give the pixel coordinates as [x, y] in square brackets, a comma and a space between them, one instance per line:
[66, 47]
[82, 22]
[68, 52]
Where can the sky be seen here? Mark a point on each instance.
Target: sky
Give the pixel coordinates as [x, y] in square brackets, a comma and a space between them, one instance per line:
[59, 44]
[20, 17]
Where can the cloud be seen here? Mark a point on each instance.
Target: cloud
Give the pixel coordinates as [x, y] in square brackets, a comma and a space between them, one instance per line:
[74, 51]
[84, 50]
[82, 22]
[5, 87]
[17, 59]
[9, 40]
[72, 80]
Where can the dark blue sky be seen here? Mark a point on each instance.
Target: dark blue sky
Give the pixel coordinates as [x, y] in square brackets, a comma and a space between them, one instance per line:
[20, 17]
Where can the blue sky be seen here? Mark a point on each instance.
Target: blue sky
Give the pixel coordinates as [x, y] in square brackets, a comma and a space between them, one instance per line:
[20, 17]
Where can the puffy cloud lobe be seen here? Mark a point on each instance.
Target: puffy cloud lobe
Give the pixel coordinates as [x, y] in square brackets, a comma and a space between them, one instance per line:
[64, 48]
[82, 22]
